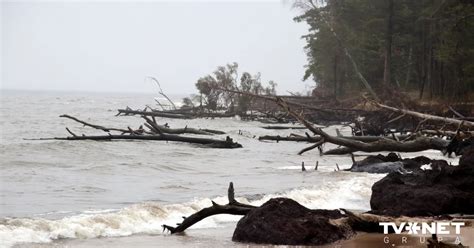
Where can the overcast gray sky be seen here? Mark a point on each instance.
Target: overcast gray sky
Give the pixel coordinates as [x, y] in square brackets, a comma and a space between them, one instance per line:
[114, 46]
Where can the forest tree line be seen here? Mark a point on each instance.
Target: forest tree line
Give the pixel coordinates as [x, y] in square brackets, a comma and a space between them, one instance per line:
[423, 47]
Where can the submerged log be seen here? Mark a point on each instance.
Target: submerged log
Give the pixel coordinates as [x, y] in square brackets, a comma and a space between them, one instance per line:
[152, 113]
[283, 127]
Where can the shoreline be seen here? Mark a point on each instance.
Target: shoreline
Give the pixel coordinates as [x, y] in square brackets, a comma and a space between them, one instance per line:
[222, 237]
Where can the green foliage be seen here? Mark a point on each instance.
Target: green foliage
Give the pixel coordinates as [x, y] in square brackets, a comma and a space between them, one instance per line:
[213, 88]
[432, 48]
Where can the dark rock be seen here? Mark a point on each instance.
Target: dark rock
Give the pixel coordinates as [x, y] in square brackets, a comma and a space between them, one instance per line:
[384, 167]
[468, 157]
[378, 164]
[392, 163]
[459, 145]
[282, 221]
[443, 190]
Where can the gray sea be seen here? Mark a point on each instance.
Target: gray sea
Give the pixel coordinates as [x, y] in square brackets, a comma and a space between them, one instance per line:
[119, 193]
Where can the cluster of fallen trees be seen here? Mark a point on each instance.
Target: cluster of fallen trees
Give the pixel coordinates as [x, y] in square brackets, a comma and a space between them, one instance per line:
[453, 134]
[376, 126]
[150, 130]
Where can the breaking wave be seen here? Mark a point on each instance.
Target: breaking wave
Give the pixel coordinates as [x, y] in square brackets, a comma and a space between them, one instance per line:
[147, 217]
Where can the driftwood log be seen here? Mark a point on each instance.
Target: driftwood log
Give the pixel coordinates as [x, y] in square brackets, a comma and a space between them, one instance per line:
[129, 111]
[314, 139]
[283, 127]
[233, 207]
[214, 143]
[173, 114]
[423, 116]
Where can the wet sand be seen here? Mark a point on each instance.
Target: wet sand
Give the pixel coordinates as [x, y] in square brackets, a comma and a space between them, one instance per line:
[222, 237]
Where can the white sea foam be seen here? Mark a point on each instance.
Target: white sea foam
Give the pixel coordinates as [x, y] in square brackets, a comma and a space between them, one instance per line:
[147, 218]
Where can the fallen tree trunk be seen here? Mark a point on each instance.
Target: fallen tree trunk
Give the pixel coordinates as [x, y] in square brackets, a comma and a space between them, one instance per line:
[420, 143]
[282, 127]
[428, 116]
[446, 133]
[174, 114]
[228, 143]
[152, 113]
[279, 138]
[233, 207]
[186, 129]
[314, 139]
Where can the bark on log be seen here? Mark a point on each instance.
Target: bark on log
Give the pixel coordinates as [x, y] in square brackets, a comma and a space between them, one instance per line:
[233, 207]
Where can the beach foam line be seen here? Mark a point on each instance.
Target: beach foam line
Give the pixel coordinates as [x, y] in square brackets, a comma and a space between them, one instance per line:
[147, 217]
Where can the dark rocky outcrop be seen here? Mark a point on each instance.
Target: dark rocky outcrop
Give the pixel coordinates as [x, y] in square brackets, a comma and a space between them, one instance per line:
[443, 190]
[282, 221]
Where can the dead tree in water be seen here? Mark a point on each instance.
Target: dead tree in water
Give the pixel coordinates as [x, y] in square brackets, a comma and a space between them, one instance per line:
[418, 144]
[233, 207]
[155, 132]
[162, 93]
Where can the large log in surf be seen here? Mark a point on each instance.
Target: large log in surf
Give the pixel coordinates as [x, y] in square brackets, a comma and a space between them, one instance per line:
[314, 139]
[233, 207]
[283, 127]
[152, 113]
[214, 143]
[174, 114]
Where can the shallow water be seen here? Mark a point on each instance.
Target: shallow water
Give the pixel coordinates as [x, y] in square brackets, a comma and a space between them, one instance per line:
[51, 190]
